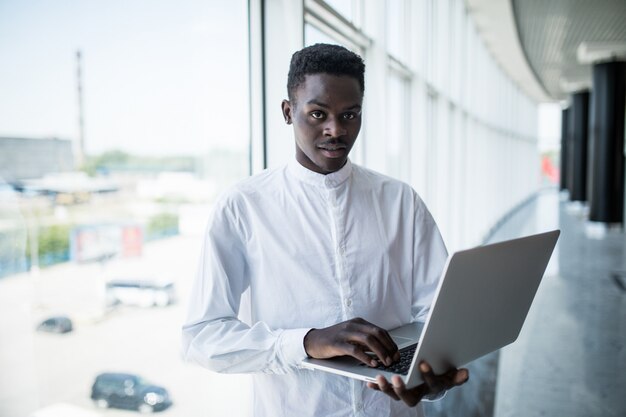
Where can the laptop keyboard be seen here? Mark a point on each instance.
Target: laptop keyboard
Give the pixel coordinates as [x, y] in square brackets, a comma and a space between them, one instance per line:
[402, 365]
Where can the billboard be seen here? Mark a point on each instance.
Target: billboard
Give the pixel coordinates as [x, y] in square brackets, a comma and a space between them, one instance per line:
[99, 242]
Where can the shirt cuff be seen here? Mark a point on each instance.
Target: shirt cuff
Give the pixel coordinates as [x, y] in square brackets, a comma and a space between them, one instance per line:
[432, 398]
[292, 345]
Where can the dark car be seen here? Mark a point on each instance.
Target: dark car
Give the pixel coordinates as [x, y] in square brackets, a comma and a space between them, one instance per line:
[130, 392]
[58, 324]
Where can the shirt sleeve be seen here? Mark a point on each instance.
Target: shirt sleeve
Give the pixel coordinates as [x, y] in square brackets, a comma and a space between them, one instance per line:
[213, 335]
[429, 258]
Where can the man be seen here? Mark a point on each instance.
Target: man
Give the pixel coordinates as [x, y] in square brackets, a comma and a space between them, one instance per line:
[328, 255]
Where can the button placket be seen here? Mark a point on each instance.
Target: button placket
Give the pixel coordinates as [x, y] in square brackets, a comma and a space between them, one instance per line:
[339, 252]
[339, 246]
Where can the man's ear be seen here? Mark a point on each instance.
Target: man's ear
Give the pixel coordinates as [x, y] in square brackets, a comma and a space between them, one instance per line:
[286, 107]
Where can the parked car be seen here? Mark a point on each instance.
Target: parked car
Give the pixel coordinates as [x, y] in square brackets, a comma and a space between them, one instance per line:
[129, 392]
[56, 324]
[140, 292]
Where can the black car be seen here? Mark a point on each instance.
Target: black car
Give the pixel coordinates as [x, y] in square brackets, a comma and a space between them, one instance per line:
[130, 392]
[58, 324]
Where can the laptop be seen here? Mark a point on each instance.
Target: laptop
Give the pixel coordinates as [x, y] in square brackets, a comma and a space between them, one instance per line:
[480, 306]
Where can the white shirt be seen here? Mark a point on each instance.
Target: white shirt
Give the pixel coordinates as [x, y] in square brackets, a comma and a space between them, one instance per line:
[313, 250]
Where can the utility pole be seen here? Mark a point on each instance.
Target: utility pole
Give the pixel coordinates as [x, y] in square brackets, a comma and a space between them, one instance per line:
[80, 149]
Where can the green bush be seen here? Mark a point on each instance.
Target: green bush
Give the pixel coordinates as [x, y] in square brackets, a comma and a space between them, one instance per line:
[53, 244]
[121, 161]
[161, 225]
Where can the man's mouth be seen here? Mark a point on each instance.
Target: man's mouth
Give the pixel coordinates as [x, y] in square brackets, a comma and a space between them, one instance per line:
[332, 150]
[332, 145]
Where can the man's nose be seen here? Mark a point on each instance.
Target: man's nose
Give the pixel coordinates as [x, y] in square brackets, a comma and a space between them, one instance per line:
[334, 128]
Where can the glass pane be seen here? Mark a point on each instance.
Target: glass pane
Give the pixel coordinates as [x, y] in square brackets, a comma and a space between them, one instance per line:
[313, 35]
[161, 108]
[343, 7]
[396, 15]
[398, 140]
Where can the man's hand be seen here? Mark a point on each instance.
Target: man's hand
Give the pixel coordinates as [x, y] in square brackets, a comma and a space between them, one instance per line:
[354, 337]
[433, 386]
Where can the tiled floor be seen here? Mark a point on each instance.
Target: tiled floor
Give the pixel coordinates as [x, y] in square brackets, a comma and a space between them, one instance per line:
[570, 358]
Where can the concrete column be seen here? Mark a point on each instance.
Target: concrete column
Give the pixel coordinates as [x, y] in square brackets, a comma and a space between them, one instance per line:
[564, 154]
[577, 146]
[606, 150]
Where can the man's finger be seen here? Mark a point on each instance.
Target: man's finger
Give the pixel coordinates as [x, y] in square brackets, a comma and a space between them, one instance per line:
[357, 352]
[386, 387]
[427, 374]
[460, 377]
[374, 337]
[435, 384]
[378, 332]
[373, 386]
[384, 337]
[370, 343]
[408, 396]
[444, 382]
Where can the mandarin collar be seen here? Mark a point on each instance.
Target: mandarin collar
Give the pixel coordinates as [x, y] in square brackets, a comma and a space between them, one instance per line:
[332, 180]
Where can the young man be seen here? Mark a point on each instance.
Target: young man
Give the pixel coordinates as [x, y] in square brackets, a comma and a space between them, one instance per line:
[329, 255]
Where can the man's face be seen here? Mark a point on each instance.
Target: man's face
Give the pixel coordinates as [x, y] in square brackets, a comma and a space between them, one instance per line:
[326, 117]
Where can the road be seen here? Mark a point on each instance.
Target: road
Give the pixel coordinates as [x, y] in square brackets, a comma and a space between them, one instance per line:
[41, 369]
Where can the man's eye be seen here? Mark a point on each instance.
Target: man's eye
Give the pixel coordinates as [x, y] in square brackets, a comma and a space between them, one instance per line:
[349, 116]
[317, 115]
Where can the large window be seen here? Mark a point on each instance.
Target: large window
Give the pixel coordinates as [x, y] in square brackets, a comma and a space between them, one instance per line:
[439, 112]
[120, 123]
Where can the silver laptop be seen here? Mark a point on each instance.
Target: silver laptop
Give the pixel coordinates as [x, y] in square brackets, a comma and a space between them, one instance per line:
[480, 306]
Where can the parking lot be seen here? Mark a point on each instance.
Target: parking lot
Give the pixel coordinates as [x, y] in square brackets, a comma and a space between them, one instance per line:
[40, 369]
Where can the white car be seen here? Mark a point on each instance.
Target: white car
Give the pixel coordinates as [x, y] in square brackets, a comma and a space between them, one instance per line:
[140, 292]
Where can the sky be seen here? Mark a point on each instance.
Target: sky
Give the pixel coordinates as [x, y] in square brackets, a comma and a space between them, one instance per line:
[160, 77]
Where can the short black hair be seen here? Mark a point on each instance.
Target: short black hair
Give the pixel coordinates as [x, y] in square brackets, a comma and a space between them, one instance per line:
[323, 58]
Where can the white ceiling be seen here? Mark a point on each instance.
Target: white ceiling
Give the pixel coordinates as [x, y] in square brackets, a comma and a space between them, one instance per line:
[547, 46]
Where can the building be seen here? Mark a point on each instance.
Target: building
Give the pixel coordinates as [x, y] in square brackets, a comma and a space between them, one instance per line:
[30, 158]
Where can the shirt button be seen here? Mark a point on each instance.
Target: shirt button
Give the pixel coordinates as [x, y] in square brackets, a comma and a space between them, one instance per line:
[348, 302]
[327, 181]
[359, 407]
[341, 250]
